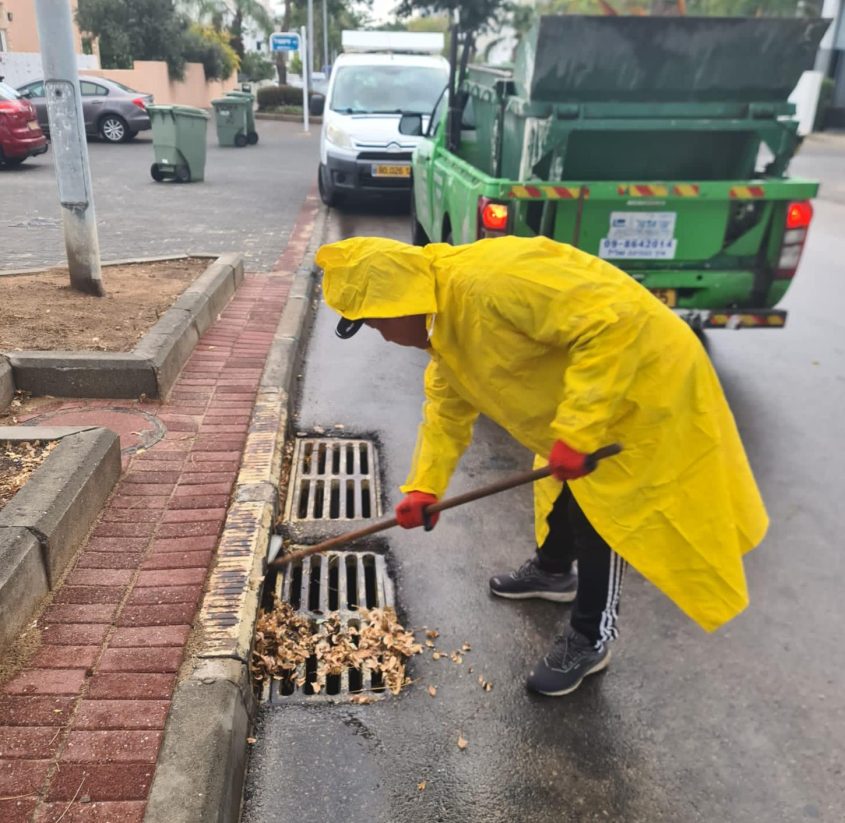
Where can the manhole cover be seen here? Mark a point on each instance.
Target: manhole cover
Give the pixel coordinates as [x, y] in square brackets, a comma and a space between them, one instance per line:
[334, 585]
[333, 479]
[137, 429]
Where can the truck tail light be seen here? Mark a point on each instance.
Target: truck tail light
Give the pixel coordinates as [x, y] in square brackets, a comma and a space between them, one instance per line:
[139, 102]
[492, 218]
[798, 217]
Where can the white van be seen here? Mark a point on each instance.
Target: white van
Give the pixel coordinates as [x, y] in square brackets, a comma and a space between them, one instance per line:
[379, 77]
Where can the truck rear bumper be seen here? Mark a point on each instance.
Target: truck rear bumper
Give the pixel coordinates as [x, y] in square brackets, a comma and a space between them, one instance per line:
[733, 318]
[357, 176]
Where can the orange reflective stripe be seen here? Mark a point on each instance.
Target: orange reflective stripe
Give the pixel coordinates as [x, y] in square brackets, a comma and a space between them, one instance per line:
[746, 192]
[686, 190]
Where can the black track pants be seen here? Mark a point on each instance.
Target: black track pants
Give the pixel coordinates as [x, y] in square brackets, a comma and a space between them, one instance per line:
[600, 569]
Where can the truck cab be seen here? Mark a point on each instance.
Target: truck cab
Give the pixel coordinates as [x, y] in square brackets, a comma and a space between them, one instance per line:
[380, 77]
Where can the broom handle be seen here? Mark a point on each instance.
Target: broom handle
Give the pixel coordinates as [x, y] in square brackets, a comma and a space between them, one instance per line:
[441, 506]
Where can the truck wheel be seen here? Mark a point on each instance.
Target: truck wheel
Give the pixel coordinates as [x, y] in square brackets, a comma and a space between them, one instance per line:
[328, 195]
[418, 235]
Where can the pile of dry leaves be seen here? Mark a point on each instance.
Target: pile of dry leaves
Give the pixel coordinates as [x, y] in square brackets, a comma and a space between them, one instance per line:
[18, 460]
[284, 641]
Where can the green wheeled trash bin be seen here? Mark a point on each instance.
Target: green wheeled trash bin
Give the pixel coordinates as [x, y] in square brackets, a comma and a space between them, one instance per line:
[179, 143]
[251, 133]
[231, 118]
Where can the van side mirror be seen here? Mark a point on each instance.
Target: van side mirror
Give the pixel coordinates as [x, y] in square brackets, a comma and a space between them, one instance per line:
[411, 124]
[316, 104]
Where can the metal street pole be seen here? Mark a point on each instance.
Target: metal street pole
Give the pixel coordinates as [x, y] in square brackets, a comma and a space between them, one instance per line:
[325, 34]
[310, 39]
[304, 55]
[70, 149]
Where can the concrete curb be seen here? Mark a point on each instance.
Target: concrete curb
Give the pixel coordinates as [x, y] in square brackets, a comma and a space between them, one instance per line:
[126, 261]
[45, 523]
[288, 118]
[7, 383]
[156, 361]
[202, 764]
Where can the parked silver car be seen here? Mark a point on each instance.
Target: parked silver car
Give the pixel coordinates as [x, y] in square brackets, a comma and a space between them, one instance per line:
[111, 110]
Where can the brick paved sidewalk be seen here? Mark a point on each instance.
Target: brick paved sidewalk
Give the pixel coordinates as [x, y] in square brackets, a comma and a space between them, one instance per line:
[82, 723]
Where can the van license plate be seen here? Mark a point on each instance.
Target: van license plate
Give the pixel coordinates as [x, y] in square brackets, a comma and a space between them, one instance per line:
[391, 171]
[667, 296]
[32, 125]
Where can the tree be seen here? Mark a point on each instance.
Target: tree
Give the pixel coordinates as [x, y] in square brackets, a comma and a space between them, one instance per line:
[206, 45]
[255, 66]
[130, 30]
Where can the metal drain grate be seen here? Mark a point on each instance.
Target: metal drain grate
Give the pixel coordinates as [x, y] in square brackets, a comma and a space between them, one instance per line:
[337, 584]
[333, 479]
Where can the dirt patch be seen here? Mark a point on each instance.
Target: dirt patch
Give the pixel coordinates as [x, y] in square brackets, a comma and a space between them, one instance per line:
[18, 460]
[41, 312]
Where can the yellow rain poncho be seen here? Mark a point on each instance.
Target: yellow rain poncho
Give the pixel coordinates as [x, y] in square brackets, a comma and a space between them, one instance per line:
[552, 343]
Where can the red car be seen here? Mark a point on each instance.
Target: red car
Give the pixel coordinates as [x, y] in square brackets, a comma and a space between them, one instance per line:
[20, 134]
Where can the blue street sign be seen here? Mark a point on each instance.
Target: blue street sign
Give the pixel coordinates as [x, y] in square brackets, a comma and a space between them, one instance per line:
[284, 41]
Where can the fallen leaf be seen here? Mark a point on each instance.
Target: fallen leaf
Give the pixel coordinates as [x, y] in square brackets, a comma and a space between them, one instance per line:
[462, 741]
[466, 647]
[429, 643]
[488, 686]
[437, 655]
[431, 634]
[251, 740]
[421, 785]
[432, 690]
[456, 658]
[362, 699]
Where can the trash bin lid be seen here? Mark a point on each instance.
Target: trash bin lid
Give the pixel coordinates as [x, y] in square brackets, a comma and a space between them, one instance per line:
[181, 111]
[229, 102]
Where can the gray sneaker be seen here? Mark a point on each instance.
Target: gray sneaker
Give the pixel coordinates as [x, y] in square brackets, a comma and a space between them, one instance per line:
[572, 658]
[529, 580]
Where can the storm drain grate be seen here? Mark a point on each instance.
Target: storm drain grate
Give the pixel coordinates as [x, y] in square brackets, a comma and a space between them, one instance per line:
[333, 479]
[338, 585]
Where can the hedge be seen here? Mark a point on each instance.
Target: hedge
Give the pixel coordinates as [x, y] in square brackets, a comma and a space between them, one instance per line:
[271, 97]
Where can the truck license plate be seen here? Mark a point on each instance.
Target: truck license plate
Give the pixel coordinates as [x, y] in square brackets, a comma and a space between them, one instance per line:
[391, 171]
[640, 236]
[667, 296]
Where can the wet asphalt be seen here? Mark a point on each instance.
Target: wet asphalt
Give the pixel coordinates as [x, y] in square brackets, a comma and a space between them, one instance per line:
[746, 724]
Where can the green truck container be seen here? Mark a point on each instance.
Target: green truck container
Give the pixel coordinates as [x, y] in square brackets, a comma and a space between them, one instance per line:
[179, 143]
[251, 133]
[230, 117]
[658, 144]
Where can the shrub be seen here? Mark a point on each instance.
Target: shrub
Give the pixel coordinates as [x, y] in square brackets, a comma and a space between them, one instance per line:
[271, 97]
[202, 44]
[255, 67]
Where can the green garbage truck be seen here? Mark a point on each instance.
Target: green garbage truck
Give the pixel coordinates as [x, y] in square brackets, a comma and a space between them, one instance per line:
[660, 144]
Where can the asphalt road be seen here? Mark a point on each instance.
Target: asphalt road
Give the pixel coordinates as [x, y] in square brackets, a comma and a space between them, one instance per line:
[248, 202]
[745, 725]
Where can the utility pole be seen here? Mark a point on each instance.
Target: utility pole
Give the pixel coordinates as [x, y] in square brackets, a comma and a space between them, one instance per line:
[70, 149]
[325, 34]
[310, 49]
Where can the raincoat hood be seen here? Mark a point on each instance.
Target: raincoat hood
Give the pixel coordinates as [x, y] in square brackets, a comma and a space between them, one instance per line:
[373, 277]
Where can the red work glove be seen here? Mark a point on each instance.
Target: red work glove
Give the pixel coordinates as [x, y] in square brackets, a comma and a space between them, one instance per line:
[409, 512]
[568, 464]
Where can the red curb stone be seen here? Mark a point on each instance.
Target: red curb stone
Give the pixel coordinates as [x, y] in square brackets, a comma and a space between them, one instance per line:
[74, 634]
[61, 656]
[138, 528]
[46, 681]
[200, 476]
[17, 811]
[89, 595]
[102, 781]
[135, 515]
[121, 714]
[203, 542]
[207, 501]
[159, 595]
[126, 811]
[133, 478]
[19, 777]
[117, 544]
[174, 560]
[210, 442]
[170, 577]
[97, 577]
[98, 613]
[171, 614]
[213, 456]
[149, 636]
[139, 746]
[189, 515]
[204, 488]
[131, 686]
[39, 710]
[19, 742]
[194, 528]
[108, 560]
[163, 659]
[126, 501]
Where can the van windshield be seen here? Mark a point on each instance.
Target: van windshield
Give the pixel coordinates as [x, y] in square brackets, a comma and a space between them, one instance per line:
[387, 89]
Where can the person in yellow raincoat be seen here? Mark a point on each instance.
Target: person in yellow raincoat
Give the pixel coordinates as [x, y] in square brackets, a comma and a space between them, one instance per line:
[568, 354]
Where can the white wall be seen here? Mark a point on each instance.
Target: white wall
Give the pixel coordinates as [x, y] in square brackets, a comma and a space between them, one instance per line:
[806, 99]
[19, 67]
